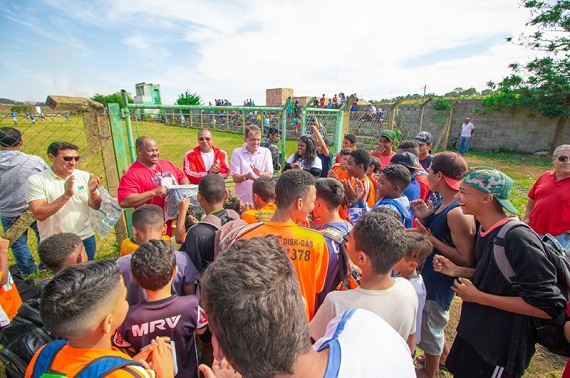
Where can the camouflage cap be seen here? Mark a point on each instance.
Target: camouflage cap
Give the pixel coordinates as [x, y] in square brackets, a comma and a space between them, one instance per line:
[492, 181]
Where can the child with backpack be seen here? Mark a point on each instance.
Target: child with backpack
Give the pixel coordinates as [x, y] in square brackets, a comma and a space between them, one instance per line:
[504, 345]
[394, 179]
[154, 266]
[330, 194]
[83, 305]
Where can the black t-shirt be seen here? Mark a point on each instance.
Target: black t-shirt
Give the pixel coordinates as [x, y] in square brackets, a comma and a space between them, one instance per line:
[199, 241]
[493, 332]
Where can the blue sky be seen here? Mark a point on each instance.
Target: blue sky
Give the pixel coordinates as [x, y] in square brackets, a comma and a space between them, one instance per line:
[237, 49]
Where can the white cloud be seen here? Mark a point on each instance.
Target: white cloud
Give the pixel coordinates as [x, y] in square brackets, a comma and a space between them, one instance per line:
[237, 49]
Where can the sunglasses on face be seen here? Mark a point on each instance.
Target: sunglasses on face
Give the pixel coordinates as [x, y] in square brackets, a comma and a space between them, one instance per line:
[70, 158]
[563, 158]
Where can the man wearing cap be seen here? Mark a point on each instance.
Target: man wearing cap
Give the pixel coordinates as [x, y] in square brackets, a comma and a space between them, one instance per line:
[495, 335]
[270, 142]
[467, 129]
[424, 141]
[452, 234]
[204, 159]
[548, 206]
[386, 142]
[15, 168]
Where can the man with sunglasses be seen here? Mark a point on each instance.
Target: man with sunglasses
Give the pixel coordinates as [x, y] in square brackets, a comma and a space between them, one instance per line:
[205, 159]
[548, 203]
[60, 197]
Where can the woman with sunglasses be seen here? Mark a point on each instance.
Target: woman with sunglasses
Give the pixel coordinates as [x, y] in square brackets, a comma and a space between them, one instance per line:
[548, 206]
[306, 157]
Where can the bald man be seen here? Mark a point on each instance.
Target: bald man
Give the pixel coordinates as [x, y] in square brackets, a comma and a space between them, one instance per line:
[148, 179]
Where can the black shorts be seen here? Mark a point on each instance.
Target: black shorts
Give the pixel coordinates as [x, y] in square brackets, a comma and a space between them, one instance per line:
[464, 361]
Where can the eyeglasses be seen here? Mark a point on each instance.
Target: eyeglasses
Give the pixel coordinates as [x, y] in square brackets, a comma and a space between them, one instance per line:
[563, 158]
[70, 158]
[204, 139]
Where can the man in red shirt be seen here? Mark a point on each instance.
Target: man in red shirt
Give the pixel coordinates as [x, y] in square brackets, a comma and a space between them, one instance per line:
[148, 179]
[204, 159]
[548, 203]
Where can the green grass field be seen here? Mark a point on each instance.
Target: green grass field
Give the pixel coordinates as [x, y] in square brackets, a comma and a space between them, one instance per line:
[174, 141]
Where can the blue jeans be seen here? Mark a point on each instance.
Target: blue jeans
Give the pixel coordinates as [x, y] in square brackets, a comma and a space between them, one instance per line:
[90, 247]
[564, 242]
[20, 249]
[464, 143]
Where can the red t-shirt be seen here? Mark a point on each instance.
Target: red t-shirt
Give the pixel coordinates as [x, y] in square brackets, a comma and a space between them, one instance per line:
[140, 178]
[551, 204]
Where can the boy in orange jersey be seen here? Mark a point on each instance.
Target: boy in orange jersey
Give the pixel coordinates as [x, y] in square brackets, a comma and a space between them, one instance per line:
[295, 199]
[357, 168]
[84, 304]
[263, 201]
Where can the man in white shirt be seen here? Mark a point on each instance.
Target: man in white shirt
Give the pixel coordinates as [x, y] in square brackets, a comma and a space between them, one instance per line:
[249, 162]
[60, 197]
[467, 129]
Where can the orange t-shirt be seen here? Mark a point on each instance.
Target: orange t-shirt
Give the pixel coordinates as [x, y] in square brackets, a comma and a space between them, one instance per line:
[342, 175]
[308, 252]
[370, 197]
[128, 246]
[263, 214]
[70, 361]
[10, 301]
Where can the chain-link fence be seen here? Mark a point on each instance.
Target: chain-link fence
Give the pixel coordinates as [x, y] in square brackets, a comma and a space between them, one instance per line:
[39, 127]
[367, 121]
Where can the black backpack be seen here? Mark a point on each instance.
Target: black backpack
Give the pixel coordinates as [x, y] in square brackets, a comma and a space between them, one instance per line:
[22, 338]
[548, 332]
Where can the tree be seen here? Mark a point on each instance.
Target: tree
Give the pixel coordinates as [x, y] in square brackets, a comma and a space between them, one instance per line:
[542, 85]
[113, 98]
[188, 98]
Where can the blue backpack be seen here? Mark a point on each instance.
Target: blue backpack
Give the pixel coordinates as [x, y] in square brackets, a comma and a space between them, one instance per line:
[99, 367]
[408, 222]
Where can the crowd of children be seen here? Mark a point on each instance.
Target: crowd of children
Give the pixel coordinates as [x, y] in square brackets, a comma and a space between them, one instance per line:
[345, 273]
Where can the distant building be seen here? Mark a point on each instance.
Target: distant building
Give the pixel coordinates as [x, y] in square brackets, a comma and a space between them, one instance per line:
[148, 94]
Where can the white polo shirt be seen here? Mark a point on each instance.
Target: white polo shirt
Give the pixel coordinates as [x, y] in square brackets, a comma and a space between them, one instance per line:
[242, 160]
[74, 215]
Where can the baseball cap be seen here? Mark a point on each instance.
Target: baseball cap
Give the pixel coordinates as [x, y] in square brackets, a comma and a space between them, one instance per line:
[452, 166]
[492, 181]
[424, 137]
[407, 159]
[389, 134]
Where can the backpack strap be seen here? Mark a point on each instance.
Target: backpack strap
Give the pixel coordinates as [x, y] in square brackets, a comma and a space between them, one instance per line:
[499, 250]
[396, 204]
[216, 222]
[103, 365]
[46, 356]
[341, 239]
